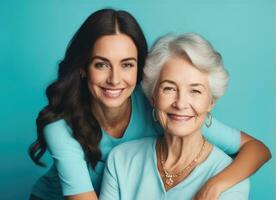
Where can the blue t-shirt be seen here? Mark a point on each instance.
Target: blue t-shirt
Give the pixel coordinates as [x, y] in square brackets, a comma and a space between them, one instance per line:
[131, 173]
[70, 173]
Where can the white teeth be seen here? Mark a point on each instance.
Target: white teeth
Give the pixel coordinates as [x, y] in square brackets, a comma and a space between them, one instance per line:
[112, 93]
[178, 117]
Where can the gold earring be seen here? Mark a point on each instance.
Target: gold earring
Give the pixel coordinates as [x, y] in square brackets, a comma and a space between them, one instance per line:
[208, 120]
[154, 115]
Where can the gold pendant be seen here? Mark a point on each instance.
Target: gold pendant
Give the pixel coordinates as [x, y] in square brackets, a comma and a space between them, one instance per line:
[169, 181]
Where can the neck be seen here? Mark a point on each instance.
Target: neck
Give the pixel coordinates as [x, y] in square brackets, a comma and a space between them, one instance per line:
[181, 151]
[113, 120]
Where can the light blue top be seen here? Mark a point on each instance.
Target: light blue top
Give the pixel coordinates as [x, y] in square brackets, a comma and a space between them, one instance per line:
[70, 173]
[131, 173]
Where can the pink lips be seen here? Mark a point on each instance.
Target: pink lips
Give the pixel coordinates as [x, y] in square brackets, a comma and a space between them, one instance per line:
[112, 93]
[180, 117]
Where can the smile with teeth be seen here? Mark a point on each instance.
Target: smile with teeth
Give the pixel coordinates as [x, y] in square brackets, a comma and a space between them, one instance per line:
[180, 117]
[112, 93]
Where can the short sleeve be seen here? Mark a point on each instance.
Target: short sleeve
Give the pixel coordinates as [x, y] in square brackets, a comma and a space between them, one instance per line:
[239, 191]
[68, 159]
[110, 187]
[224, 137]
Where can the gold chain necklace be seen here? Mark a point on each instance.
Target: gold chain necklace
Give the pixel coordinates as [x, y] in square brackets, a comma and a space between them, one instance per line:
[169, 175]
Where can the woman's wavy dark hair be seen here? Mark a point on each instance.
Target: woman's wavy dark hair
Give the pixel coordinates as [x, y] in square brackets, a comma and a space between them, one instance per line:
[69, 97]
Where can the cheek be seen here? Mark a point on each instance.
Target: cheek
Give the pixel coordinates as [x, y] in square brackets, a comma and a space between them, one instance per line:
[96, 76]
[162, 104]
[163, 101]
[94, 79]
[130, 76]
[201, 105]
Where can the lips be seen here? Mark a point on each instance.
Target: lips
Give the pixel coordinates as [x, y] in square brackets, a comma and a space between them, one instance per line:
[177, 117]
[112, 93]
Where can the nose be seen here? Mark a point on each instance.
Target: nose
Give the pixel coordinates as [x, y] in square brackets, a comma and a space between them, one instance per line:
[113, 77]
[181, 101]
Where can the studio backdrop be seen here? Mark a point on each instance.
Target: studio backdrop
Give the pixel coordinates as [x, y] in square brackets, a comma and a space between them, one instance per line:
[34, 36]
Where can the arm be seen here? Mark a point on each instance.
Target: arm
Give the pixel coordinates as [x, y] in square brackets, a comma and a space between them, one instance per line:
[69, 162]
[251, 156]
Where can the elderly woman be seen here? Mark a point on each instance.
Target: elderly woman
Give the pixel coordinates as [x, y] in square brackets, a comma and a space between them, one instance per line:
[184, 77]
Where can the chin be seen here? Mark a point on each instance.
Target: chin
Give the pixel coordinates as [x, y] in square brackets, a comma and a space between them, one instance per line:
[182, 131]
[114, 103]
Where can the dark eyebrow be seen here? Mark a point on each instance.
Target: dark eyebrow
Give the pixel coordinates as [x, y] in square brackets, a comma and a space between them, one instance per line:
[169, 81]
[99, 57]
[128, 59]
[106, 60]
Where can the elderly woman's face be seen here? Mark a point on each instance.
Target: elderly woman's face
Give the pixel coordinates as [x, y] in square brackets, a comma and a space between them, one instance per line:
[182, 97]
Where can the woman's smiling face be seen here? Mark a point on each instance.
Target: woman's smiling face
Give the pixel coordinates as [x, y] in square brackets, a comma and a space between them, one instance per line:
[112, 73]
[182, 97]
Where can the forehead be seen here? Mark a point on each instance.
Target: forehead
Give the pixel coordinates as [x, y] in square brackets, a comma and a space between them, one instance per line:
[181, 71]
[118, 45]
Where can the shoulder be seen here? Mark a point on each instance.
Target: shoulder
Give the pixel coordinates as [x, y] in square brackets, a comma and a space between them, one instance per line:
[57, 129]
[59, 138]
[217, 160]
[133, 146]
[225, 137]
[128, 150]
[59, 125]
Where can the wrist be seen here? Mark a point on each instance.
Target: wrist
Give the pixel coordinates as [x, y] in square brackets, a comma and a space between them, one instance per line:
[217, 185]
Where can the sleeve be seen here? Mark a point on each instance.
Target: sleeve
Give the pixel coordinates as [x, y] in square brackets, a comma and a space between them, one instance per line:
[110, 187]
[224, 137]
[68, 159]
[239, 191]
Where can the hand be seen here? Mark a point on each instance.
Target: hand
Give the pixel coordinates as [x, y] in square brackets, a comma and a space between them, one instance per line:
[209, 191]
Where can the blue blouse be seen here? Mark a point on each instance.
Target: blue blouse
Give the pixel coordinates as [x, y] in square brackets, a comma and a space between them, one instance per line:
[131, 173]
[70, 173]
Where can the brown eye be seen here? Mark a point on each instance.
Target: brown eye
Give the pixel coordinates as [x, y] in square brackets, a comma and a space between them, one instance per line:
[127, 65]
[100, 65]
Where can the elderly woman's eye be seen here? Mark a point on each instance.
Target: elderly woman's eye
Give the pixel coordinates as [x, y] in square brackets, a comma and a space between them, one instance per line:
[195, 91]
[169, 89]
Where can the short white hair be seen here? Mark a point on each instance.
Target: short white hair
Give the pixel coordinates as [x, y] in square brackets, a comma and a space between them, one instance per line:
[193, 48]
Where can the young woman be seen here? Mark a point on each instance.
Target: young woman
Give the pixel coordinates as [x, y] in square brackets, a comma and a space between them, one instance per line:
[96, 103]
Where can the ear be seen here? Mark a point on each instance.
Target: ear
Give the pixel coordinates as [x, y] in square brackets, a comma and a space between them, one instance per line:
[211, 106]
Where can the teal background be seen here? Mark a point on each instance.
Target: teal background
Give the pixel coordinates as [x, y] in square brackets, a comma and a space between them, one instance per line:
[34, 35]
